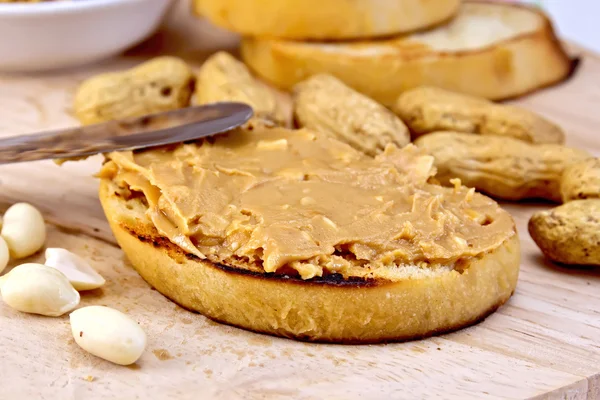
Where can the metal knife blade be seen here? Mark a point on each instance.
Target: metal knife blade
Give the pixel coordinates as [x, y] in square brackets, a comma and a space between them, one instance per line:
[127, 134]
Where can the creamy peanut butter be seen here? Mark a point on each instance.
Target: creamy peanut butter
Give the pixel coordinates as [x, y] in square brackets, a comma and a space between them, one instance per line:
[289, 201]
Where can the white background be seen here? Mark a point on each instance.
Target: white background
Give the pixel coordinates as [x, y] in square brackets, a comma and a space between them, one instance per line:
[578, 20]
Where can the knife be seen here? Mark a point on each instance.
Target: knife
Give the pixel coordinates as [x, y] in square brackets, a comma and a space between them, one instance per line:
[169, 127]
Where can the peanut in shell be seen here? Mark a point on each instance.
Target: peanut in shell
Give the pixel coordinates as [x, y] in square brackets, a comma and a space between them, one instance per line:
[430, 109]
[161, 84]
[326, 105]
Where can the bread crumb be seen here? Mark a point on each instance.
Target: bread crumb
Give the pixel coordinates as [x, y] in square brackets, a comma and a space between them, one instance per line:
[89, 378]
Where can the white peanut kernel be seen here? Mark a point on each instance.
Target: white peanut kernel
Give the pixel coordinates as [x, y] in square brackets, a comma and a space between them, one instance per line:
[108, 333]
[23, 229]
[38, 289]
[78, 271]
[4, 254]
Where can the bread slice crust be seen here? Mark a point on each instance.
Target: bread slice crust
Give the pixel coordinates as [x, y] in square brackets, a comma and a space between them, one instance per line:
[328, 309]
[512, 66]
[329, 20]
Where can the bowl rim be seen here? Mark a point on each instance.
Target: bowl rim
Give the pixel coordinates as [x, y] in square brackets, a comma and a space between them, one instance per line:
[62, 7]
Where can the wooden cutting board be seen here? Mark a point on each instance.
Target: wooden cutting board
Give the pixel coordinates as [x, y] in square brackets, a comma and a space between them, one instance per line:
[544, 343]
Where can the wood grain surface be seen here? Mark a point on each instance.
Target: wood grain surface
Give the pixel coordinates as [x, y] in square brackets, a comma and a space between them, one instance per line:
[545, 343]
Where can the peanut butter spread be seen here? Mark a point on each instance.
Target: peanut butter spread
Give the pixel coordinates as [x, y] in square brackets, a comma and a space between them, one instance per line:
[291, 202]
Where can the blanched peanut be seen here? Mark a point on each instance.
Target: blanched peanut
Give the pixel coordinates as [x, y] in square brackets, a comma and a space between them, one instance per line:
[108, 334]
[23, 230]
[38, 289]
[81, 275]
[4, 254]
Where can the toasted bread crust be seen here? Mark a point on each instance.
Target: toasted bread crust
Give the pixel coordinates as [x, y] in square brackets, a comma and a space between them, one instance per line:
[331, 20]
[323, 310]
[505, 69]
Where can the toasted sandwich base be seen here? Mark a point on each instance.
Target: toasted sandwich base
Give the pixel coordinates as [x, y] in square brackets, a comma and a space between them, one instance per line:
[322, 310]
[383, 69]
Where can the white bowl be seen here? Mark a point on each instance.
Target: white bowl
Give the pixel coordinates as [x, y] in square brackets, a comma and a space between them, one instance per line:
[60, 34]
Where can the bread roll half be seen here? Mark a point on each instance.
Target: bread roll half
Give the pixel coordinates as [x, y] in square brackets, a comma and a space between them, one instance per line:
[492, 50]
[397, 257]
[330, 19]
